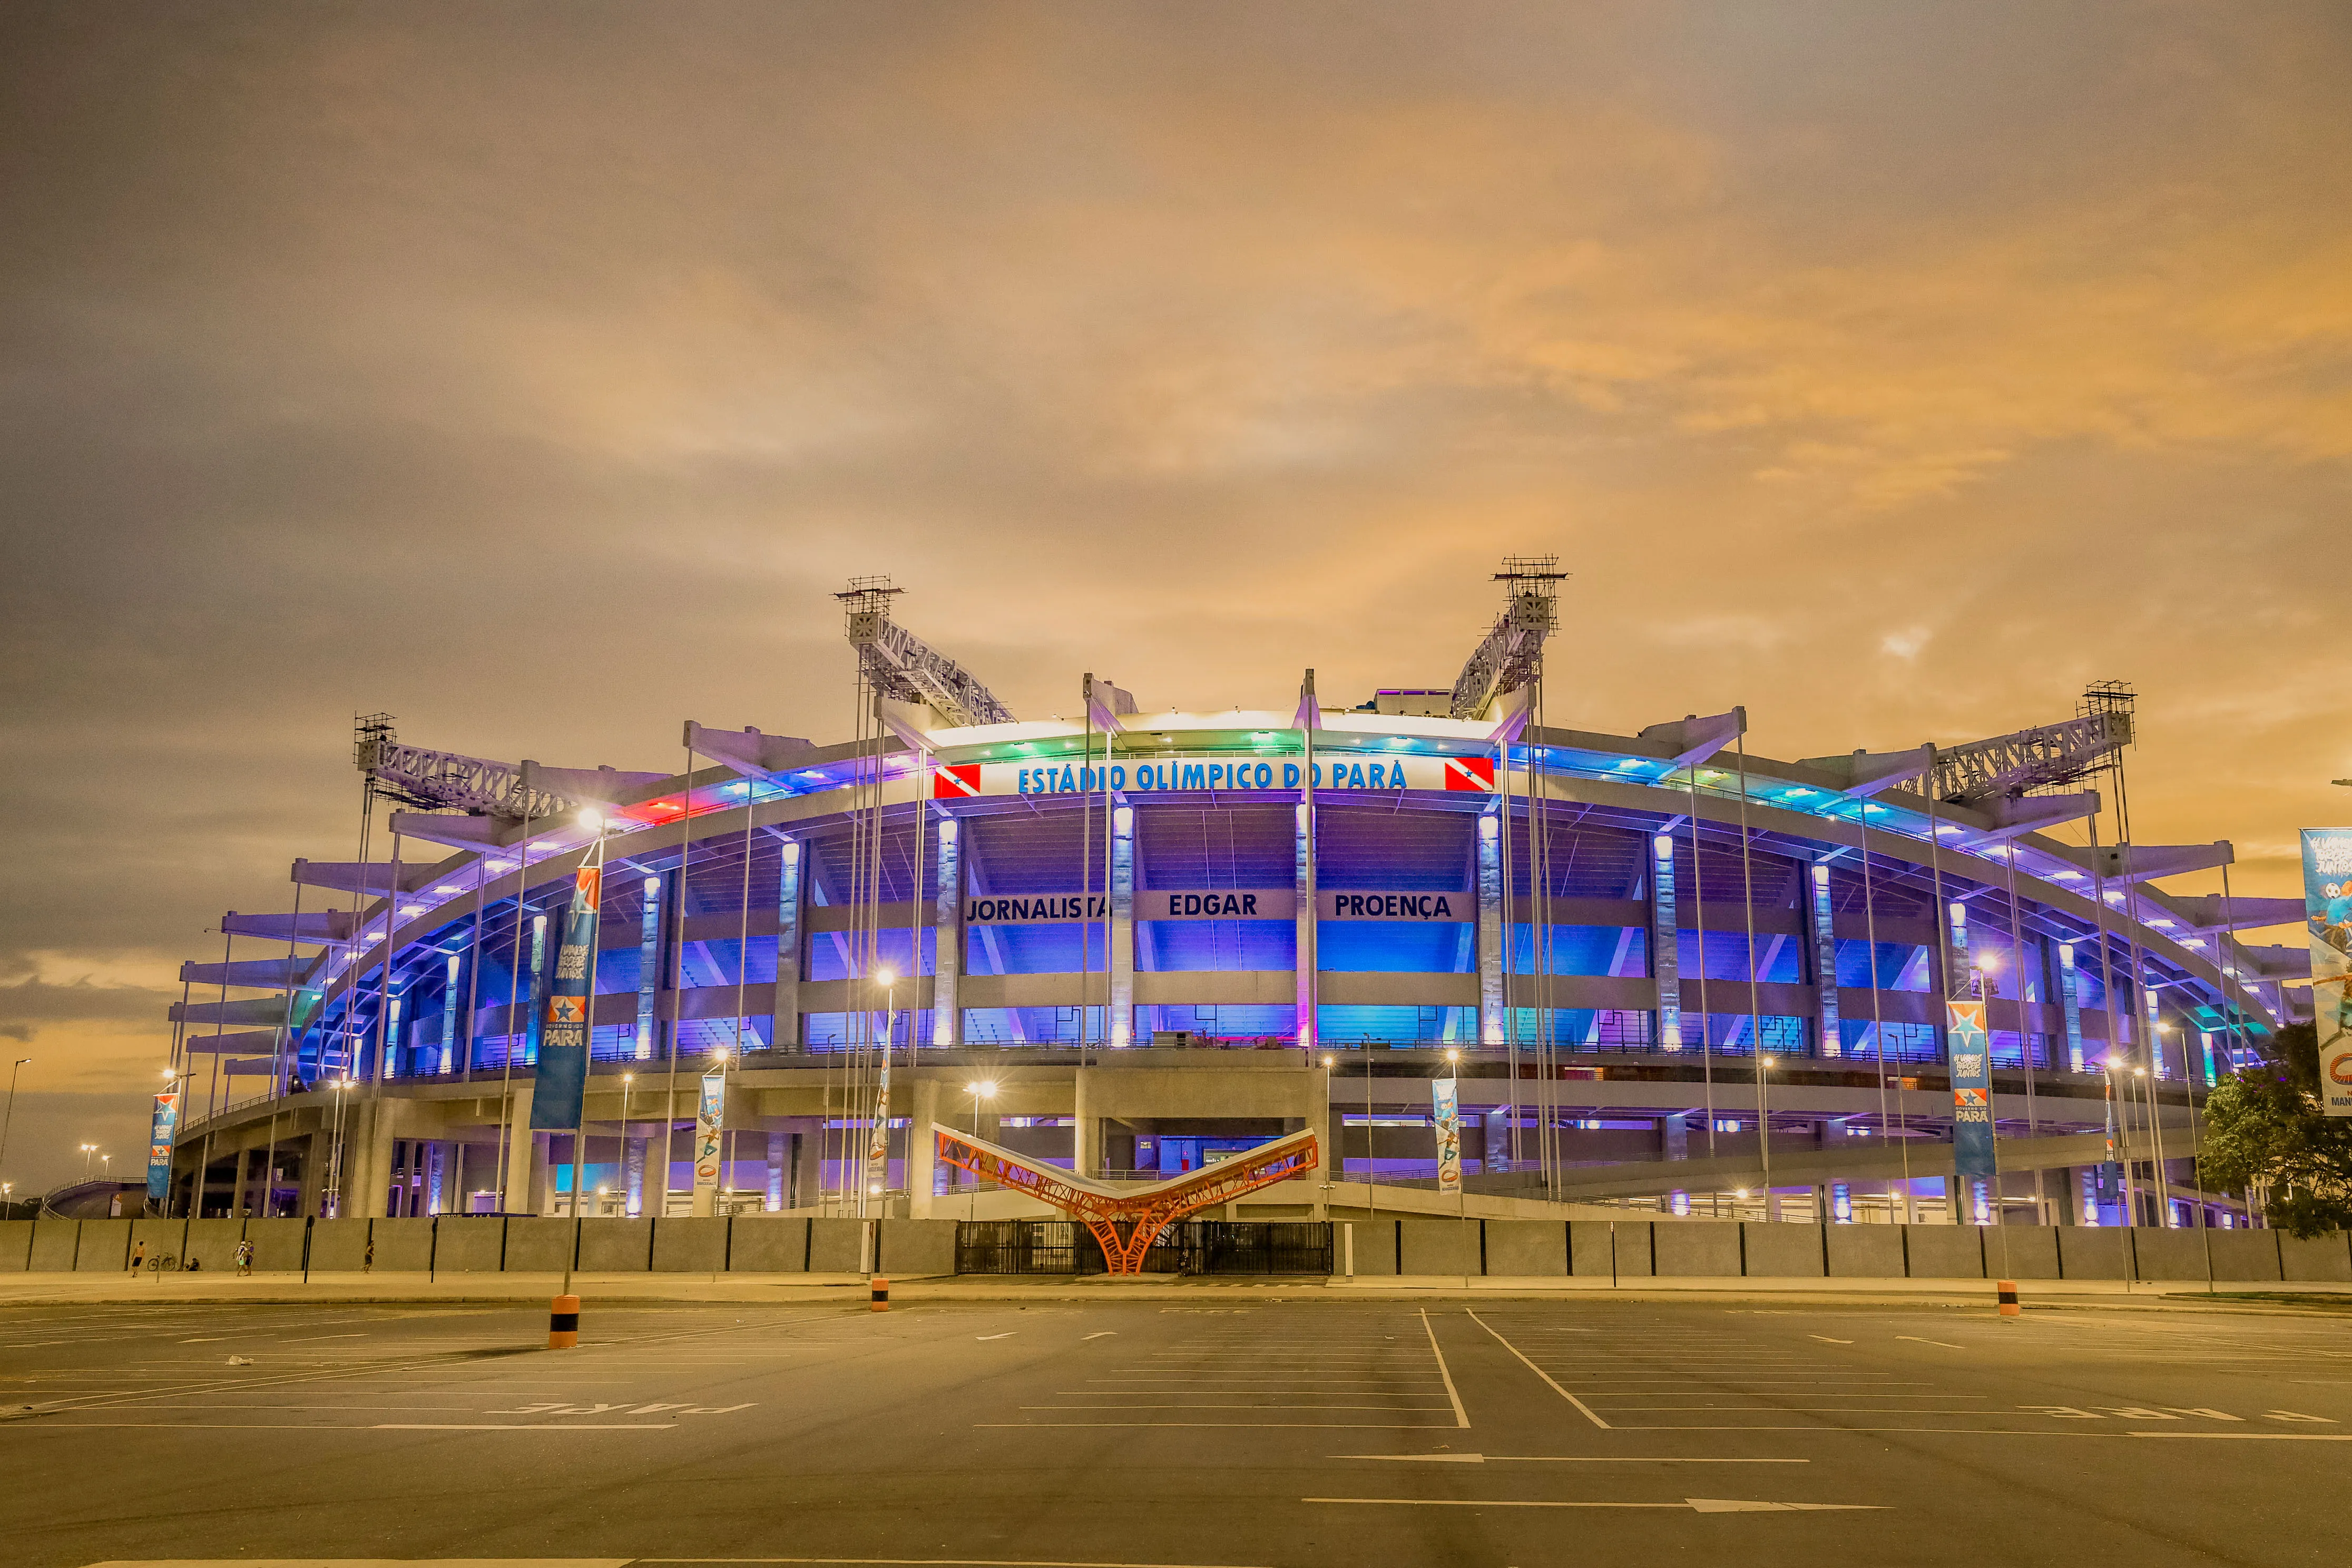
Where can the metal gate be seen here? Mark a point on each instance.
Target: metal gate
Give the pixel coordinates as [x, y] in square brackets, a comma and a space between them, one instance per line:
[1189, 1246]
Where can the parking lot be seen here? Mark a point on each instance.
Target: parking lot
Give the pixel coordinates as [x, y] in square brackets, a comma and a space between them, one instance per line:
[1237, 1430]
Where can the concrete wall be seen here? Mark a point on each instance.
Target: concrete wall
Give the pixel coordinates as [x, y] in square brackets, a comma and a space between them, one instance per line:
[212, 1242]
[1945, 1251]
[765, 1244]
[276, 1244]
[537, 1243]
[1696, 1249]
[1784, 1251]
[54, 1241]
[690, 1245]
[104, 1247]
[404, 1245]
[616, 1246]
[2095, 1252]
[916, 1246]
[469, 1246]
[2022, 1252]
[1865, 1251]
[1593, 1245]
[1438, 1247]
[833, 1246]
[337, 1245]
[1375, 1247]
[2246, 1254]
[1526, 1249]
[2321, 1258]
[15, 1245]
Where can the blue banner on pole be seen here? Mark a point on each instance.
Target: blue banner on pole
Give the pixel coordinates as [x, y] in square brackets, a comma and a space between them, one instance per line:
[159, 1148]
[1971, 1063]
[556, 1103]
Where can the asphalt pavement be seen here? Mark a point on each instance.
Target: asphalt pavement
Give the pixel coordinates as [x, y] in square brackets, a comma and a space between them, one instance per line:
[1280, 1430]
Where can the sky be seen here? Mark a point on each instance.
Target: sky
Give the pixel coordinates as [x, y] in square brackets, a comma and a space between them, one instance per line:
[536, 372]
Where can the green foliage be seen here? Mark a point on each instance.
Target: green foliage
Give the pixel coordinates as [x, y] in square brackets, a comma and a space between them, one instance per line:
[2264, 1127]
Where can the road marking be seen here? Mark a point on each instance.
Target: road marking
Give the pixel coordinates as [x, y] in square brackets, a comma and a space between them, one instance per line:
[1461, 1416]
[1827, 1341]
[2252, 1437]
[853, 1562]
[1211, 1426]
[523, 1426]
[1695, 1504]
[1554, 1459]
[314, 1339]
[1917, 1341]
[1005, 1335]
[1539, 1372]
[1103, 1335]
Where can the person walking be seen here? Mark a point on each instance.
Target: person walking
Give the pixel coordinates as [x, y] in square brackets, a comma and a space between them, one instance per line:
[367, 1258]
[244, 1258]
[138, 1256]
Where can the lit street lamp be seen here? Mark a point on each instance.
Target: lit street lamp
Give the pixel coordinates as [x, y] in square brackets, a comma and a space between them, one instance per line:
[981, 1089]
[88, 1152]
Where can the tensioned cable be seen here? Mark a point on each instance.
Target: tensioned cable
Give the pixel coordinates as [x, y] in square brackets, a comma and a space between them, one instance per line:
[1755, 1010]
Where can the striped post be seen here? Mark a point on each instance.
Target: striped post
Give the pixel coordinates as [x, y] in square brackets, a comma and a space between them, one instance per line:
[2008, 1289]
[881, 1294]
[563, 1323]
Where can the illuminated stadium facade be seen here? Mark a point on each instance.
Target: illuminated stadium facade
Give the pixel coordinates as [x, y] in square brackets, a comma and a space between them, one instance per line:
[1160, 938]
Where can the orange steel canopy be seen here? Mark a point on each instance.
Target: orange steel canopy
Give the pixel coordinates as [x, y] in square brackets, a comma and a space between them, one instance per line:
[1127, 1219]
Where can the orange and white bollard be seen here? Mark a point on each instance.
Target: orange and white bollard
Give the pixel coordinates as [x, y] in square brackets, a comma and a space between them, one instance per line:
[2008, 1291]
[563, 1323]
[881, 1294]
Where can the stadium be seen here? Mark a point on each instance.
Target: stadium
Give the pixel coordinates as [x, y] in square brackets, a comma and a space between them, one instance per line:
[1665, 973]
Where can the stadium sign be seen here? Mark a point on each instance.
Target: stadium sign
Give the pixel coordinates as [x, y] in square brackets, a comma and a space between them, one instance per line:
[1203, 774]
[1223, 904]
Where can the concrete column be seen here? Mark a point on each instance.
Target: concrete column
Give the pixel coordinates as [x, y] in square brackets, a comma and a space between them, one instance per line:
[808, 1163]
[1825, 976]
[1121, 1018]
[947, 939]
[1674, 1137]
[1086, 1129]
[313, 1147]
[633, 1176]
[787, 1022]
[780, 1153]
[1493, 931]
[1498, 1139]
[538, 1195]
[922, 1167]
[371, 1176]
[1665, 954]
[517, 1143]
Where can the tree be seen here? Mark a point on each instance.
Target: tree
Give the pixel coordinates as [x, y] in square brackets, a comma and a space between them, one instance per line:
[2265, 1128]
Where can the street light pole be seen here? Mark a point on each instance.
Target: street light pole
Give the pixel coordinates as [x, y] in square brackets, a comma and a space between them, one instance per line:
[89, 1151]
[11, 1114]
[1764, 1126]
[981, 1089]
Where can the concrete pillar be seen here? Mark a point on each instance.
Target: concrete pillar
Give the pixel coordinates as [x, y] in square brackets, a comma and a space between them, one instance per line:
[313, 1147]
[947, 939]
[780, 1153]
[1493, 931]
[633, 1176]
[922, 1166]
[1120, 1020]
[787, 1021]
[1086, 1129]
[1825, 976]
[1498, 1139]
[1665, 955]
[650, 927]
[808, 1167]
[1674, 1137]
[517, 1143]
[371, 1185]
[537, 1194]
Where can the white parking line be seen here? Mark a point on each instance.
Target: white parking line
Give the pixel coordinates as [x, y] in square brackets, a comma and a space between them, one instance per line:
[1695, 1504]
[1540, 1372]
[1461, 1416]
